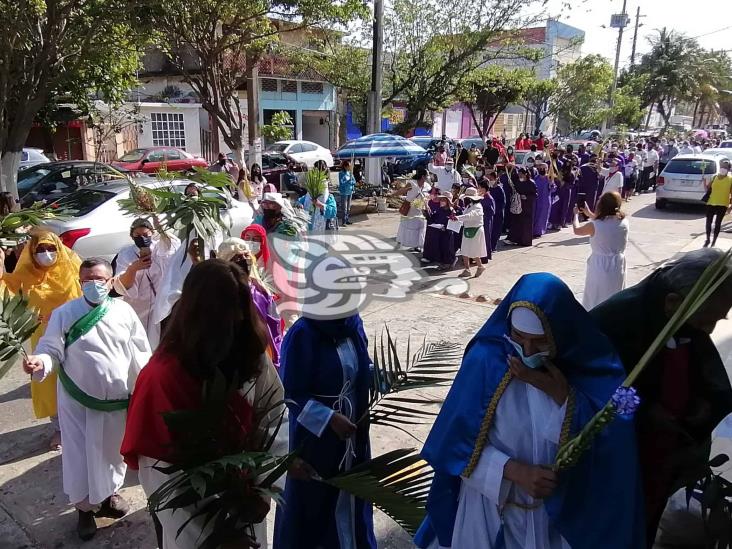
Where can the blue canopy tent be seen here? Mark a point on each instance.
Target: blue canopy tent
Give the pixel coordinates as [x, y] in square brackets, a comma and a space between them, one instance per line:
[378, 145]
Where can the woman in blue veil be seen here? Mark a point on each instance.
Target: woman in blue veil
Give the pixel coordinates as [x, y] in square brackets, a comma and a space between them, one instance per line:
[596, 504]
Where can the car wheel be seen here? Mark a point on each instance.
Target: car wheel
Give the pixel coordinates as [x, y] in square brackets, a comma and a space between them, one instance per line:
[661, 204]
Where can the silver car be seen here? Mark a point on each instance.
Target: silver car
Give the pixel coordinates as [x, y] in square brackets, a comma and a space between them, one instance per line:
[685, 178]
[31, 157]
[96, 227]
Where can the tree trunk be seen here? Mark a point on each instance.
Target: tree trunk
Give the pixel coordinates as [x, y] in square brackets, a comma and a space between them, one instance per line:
[478, 127]
[693, 117]
[650, 112]
[9, 163]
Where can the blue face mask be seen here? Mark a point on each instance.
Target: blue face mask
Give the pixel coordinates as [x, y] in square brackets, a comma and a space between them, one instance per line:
[95, 291]
[534, 361]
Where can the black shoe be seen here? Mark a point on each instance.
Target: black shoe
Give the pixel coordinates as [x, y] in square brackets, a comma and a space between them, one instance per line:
[86, 528]
[706, 244]
[114, 507]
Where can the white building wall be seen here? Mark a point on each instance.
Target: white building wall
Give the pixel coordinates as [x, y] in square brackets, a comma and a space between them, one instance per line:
[191, 124]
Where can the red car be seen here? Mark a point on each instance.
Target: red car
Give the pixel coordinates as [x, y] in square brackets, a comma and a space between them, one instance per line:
[152, 159]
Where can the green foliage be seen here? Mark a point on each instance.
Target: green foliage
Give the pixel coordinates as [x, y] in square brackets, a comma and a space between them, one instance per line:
[397, 483]
[432, 365]
[17, 324]
[583, 88]
[280, 128]
[627, 109]
[316, 183]
[538, 97]
[488, 91]
[15, 225]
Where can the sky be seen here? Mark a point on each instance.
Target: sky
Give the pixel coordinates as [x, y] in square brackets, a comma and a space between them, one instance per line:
[710, 21]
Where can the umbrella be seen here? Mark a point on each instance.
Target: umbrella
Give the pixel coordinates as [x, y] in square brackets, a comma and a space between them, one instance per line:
[700, 133]
[379, 145]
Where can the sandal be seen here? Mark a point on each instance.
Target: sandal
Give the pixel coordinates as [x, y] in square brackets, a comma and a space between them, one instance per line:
[479, 272]
[55, 442]
[465, 274]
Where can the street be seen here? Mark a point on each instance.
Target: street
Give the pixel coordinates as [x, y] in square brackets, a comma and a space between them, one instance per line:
[35, 513]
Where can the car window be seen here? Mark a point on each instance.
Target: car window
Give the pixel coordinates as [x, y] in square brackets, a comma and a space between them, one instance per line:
[24, 156]
[520, 156]
[83, 201]
[28, 178]
[266, 162]
[308, 147]
[156, 156]
[691, 166]
[133, 156]
[173, 154]
[278, 160]
[726, 145]
[278, 147]
[296, 148]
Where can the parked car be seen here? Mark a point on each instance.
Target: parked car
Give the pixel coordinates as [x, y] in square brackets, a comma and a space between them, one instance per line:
[274, 165]
[31, 157]
[152, 159]
[430, 143]
[685, 177]
[53, 180]
[96, 226]
[470, 141]
[306, 152]
[407, 164]
[726, 144]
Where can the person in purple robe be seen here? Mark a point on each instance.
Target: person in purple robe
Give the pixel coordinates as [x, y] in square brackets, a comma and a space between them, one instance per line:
[560, 205]
[589, 181]
[521, 229]
[489, 212]
[499, 199]
[439, 242]
[543, 201]
[570, 177]
[583, 154]
[508, 182]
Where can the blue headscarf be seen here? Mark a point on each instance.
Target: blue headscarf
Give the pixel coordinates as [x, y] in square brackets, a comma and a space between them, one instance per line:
[598, 502]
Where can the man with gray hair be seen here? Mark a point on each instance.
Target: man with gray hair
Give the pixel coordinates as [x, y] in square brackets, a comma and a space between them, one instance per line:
[98, 347]
[685, 392]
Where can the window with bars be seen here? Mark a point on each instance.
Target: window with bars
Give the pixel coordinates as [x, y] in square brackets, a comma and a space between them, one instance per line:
[312, 87]
[168, 129]
[289, 86]
[268, 84]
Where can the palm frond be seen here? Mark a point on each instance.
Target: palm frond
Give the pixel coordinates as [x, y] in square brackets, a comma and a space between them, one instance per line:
[432, 365]
[316, 183]
[17, 324]
[14, 226]
[397, 483]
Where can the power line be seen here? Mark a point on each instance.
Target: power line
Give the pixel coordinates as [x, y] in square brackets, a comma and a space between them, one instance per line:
[712, 32]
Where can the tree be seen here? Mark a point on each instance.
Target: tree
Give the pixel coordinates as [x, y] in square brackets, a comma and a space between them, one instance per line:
[627, 110]
[214, 43]
[488, 91]
[537, 99]
[581, 98]
[52, 48]
[107, 121]
[430, 49]
[280, 129]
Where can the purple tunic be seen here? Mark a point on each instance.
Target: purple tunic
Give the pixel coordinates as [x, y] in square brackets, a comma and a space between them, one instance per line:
[499, 199]
[439, 244]
[489, 211]
[543, 205]
[589, 181]
[265, 307]
[571, 180]
[560, 207]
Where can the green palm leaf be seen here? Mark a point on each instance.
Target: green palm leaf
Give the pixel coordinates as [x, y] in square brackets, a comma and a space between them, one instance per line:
[432, 365]
[17, 324]
[397, 483]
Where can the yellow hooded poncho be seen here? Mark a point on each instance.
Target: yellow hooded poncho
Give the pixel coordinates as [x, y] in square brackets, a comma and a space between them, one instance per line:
[46, 289]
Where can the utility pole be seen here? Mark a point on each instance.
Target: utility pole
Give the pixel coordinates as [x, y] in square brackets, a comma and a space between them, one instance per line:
[373, 166]
[635, 35]
[619, 21]
[255, 142]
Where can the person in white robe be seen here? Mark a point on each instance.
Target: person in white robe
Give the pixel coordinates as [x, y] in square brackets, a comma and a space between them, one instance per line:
[413, 226]
[447, 175]
[140, 270]
[473, 244]
[98, 347]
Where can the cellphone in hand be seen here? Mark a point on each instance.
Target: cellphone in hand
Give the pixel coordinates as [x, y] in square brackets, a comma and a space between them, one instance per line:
[582, 203]
[144, 252]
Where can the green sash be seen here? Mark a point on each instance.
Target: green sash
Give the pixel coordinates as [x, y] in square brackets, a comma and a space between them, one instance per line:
[470, 232]
[77, 330]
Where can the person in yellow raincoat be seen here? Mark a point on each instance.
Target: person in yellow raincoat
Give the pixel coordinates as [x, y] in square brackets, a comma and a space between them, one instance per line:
[48, 274]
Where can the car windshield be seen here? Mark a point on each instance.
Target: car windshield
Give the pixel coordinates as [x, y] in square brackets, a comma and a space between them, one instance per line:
[133, 156]
[82, 202]
[520, 156]
[691, 166]
[28, 178]
[278, 147]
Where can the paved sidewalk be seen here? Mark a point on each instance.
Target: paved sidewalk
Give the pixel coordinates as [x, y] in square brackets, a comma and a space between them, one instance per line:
[34, 511]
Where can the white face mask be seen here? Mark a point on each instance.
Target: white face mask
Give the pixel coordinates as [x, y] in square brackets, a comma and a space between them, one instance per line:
[723, 171]
[448, 168]
[46, 259]
[254, 246]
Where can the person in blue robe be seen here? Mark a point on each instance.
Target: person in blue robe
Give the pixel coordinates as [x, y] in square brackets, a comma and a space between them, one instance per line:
[543, 206]
[325, 370]
[439, 242]
[589, 182]
[499, 198]
[595, 504]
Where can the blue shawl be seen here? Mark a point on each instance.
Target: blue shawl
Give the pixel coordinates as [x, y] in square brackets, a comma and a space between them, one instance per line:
[598, 503]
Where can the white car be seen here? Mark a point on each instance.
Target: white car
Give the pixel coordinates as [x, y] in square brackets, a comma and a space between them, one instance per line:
[306, 152]
[96, 227]
[32, 157]
[685, 178]
[726, 144]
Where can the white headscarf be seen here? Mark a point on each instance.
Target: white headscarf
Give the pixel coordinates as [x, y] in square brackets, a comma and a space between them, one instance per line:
[525, 320]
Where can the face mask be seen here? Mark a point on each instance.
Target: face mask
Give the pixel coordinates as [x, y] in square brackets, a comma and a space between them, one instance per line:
[613, 169]
[723, 171]
[222, 162]
[46, 259]
[270, 215]
[479, 173]
[534, 361]
[142, 241]
[448, 169]
[254, 246]
[542, 171]
[95, 291]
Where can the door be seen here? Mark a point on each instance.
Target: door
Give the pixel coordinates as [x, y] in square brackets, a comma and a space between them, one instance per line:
[175, 161]
[153, 161]
[310, 154]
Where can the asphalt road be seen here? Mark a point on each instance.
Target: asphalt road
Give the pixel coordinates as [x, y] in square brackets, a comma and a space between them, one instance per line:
[34, 511]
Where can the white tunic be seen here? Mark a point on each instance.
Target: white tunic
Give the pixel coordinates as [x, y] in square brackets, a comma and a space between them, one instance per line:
[143, 293]
[267, 391]
[104, 363]
[445, 179]
[606, 265]
[413, 226]
[526, 427]
[475, 246]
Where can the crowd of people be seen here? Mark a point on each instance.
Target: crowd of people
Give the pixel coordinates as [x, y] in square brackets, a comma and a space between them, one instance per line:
[123, 343]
